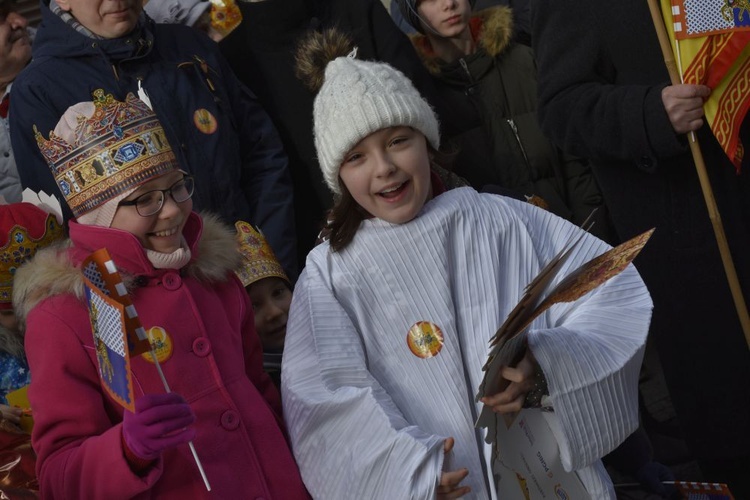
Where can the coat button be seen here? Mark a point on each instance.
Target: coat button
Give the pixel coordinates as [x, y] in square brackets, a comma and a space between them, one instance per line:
[646, 162]
[171, 281]
[230, 420]
[201, 347]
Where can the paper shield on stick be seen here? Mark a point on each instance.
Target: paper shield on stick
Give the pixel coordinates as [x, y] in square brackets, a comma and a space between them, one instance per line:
[704, 491]
[509, 342]
[117, 331]
[509, 433]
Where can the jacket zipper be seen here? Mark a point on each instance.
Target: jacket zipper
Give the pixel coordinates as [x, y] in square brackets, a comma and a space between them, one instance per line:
[514, 128]
[510, 121]
[465, 66]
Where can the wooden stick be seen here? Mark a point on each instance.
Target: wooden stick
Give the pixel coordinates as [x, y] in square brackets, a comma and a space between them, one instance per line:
[700, 166]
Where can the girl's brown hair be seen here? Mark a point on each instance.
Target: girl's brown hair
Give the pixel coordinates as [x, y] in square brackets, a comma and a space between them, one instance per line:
[344, 220]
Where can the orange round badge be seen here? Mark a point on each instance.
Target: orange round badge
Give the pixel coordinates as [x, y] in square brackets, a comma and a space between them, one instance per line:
[161, 344]
[425, 339]
[205, 121]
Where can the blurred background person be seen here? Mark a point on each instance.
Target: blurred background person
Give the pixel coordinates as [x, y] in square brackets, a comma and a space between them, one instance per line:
[262, 53]
[486, 84]
[194, 13]
[521, 17]
[605, 95]
[270, 292]
[15, 54]
[217, 128]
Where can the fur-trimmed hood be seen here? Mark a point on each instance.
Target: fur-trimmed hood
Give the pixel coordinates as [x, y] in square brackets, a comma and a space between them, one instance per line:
[491, 28]
[54, 271]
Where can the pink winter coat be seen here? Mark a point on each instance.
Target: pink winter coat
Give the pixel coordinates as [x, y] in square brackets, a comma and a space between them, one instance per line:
[215, 364]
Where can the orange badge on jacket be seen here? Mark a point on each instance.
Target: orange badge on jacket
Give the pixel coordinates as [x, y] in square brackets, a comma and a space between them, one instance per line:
[205, 121]
[425, 339]
[161, 344]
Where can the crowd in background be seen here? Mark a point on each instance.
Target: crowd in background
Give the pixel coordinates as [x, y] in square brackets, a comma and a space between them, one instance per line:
[562, 106]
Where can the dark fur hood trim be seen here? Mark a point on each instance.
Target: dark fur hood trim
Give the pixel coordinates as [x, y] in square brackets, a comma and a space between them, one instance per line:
[492, 30]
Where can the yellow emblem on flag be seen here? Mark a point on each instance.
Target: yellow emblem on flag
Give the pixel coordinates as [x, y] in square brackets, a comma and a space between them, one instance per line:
[713, 49]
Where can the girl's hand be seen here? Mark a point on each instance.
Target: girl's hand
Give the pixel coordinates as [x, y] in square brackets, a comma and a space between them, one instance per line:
[160, 422]
[449, 481]
[11, 414]
[521, 380]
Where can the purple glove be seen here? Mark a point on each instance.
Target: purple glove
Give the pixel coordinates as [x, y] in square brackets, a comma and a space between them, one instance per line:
[651, 477]
[159, 423]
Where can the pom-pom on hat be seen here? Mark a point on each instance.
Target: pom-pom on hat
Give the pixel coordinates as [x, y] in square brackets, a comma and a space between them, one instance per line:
[24, 228]
[101, 151]
[356, 99]
[258, 260]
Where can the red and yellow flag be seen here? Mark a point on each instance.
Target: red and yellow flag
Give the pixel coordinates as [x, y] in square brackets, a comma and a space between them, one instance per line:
[713, 49]
[115, 325]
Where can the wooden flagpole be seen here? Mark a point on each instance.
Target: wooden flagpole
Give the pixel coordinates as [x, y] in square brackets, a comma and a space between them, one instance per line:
[700, 166]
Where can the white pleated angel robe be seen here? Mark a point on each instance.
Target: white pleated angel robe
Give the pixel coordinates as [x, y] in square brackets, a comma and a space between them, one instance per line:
[367, 417]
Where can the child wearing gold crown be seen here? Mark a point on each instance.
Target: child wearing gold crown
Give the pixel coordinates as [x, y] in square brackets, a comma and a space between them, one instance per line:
[390, 322]
[121, 180]
[270, 292]
[24, 229]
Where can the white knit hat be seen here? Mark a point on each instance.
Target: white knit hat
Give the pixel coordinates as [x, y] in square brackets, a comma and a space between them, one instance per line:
[361, 97]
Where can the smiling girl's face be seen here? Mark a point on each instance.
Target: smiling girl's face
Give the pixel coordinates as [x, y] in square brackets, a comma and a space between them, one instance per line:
[162, 231]
[388, 173]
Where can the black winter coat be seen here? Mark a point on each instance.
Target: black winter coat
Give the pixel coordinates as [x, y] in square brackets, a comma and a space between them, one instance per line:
[490, 120]
[601, 74]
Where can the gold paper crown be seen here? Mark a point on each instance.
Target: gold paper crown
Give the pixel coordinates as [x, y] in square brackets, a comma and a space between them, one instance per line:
[258, 259]
[120, 147]
[28, 228]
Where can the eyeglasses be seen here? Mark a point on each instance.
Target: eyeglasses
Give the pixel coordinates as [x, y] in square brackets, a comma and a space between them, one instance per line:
[150, 203]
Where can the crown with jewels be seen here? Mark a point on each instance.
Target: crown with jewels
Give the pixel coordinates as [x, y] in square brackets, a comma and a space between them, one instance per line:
[258, 259]
[25, 229]
[121, 146]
